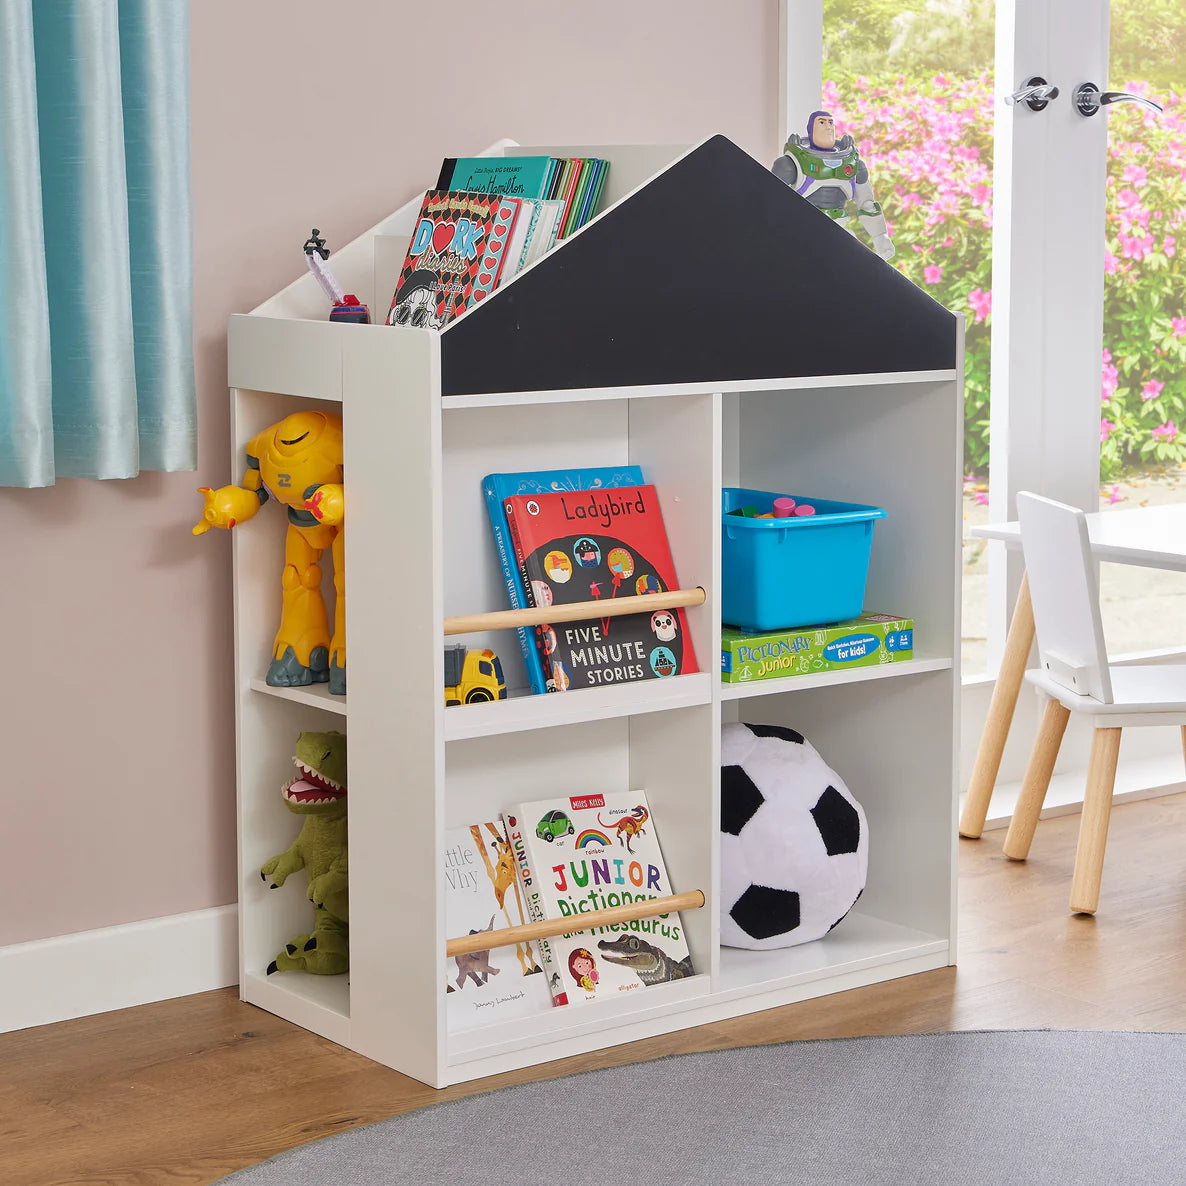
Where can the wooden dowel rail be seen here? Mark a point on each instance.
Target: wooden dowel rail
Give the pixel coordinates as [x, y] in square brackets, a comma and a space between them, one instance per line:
[578, 611]
[484, 940]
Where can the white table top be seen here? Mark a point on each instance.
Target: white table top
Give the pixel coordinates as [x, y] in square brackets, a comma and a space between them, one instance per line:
[1154, 537]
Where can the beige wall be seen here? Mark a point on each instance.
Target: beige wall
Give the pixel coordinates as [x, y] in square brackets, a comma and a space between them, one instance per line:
[117, 767]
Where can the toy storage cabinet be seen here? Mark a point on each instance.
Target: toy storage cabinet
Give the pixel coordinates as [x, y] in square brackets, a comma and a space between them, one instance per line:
[418, 549]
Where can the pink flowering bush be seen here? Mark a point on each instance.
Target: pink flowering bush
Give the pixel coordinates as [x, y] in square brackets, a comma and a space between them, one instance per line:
[928, 145]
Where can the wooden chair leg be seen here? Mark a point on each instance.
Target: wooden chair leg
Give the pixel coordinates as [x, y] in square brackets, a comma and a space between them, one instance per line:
[1000, 714]
[1036, 781]
[1184, 742]
[1093, 827]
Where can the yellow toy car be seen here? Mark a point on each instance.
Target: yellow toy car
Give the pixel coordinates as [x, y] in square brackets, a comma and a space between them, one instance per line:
[472, 676]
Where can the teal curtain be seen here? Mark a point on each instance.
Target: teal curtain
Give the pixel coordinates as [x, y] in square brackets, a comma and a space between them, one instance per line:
[96, 340]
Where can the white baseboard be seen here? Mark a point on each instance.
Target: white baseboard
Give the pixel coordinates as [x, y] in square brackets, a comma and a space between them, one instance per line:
[1137, 779]
[51, 980]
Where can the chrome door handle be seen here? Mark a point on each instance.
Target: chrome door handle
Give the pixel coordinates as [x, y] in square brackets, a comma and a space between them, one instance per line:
[1036, 93]
[1089, 99]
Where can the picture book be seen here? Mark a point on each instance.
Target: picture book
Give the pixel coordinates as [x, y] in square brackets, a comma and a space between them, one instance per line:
[455, 257]
[542, 237]
[594, 546]
[499, 487]
[864, 641]
[482, 894]
[591, 852]
[518, 176]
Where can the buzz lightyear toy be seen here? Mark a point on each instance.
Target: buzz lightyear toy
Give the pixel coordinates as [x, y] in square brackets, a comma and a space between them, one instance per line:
[829, 173]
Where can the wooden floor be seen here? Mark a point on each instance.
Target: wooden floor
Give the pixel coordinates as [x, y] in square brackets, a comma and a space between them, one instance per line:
[187, 1090]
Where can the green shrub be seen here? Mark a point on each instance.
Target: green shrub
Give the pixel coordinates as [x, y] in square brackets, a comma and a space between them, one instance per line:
[928, 145]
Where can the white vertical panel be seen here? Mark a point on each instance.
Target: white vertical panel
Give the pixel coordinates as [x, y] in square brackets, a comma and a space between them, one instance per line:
[1048, 271]
[392, 415]
[801, 64]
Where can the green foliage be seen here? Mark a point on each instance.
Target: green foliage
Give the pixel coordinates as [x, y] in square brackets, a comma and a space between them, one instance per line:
[1148, 41]
[928, 144]
[1148, 38]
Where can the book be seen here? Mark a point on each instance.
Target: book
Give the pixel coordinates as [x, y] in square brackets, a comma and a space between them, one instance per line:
[482, 894]
[568, 190]
[525, 224]
[591, 852]
[455, 257]
[543, 238]
[517, 176]
[499, 487]
[863, 641]
[594, 201]
[575, 546]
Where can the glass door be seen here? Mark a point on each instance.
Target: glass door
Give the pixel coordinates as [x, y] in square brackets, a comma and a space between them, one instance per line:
[1143, 391]
[912, 82]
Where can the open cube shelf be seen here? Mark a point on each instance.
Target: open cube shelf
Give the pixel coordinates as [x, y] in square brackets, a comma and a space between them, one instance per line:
[612, 349]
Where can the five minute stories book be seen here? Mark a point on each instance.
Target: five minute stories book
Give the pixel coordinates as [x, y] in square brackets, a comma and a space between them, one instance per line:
[575, 546]
[582, 853]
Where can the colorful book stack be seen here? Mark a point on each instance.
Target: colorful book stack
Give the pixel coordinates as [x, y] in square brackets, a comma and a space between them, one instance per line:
[487, 219]
[560, 543]
[575, 182]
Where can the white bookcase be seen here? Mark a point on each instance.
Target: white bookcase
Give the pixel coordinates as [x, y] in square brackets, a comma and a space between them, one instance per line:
[818, 413]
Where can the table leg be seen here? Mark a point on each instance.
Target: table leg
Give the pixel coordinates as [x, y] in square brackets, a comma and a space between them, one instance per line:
[1000, 714]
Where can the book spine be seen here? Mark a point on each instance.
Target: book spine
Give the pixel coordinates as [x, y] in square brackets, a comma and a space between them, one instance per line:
[533, 899]
[525, 577]
[515, 594]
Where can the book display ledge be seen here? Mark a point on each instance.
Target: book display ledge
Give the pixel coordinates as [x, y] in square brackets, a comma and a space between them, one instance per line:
[695, 328]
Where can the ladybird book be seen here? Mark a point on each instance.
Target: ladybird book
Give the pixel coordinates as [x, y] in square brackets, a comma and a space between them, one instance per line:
[591, 852]
[497, 488]
[482, 894]
[596, 545]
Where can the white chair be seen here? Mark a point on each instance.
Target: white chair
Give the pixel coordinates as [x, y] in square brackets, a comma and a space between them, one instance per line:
[1076, 677]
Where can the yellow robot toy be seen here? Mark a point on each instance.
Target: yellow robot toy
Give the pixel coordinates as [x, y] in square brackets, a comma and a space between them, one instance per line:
[299, 463]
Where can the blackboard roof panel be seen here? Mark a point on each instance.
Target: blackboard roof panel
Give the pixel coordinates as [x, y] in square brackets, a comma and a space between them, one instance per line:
[712, 270]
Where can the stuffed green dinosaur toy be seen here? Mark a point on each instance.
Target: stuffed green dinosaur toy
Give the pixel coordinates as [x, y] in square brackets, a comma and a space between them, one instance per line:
[319, 794]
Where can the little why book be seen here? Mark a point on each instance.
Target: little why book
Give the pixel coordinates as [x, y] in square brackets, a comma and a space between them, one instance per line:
[597, 545]
[482, 894]
[591, 852]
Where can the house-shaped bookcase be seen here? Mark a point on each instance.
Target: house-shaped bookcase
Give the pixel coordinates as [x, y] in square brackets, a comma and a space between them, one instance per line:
[712, 327]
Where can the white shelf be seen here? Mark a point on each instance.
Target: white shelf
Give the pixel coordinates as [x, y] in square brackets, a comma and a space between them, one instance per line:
[525, 712]
[826, 679]
[312, 696]
[567, 1022]
[580, 394]
[319, 1003]
[859, 942]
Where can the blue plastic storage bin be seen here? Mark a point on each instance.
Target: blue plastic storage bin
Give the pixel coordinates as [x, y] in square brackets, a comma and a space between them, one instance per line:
[803, 571]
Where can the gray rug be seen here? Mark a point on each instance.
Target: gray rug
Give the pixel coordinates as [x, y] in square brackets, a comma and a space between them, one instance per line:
[1020, 1107]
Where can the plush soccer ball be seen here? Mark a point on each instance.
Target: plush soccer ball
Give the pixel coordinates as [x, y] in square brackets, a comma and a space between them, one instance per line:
[794, 844]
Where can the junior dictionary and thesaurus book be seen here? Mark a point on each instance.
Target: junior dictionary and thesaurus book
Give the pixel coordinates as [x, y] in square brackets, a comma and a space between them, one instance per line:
[591, 852]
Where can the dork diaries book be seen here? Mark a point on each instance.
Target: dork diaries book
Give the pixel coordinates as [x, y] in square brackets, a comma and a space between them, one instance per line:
[592, 852]
[455, 258]
[598, 545]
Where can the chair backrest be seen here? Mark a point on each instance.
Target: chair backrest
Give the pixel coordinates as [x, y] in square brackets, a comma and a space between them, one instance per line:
[1065, 592]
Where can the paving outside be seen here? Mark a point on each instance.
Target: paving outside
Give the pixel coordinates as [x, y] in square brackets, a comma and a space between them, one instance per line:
[1143, 608]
